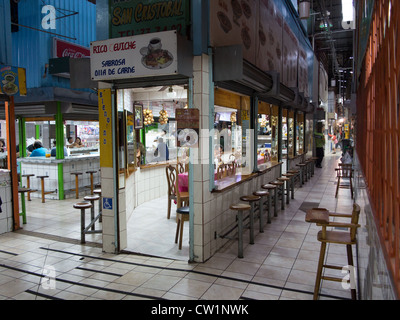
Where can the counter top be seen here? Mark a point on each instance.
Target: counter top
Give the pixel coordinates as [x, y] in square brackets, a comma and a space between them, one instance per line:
[54, 160]
[229, 182]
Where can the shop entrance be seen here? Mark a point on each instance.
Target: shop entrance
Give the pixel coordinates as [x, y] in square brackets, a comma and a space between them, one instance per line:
[155, 165]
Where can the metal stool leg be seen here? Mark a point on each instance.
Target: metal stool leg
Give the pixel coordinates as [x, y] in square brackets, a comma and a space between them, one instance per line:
[252, 223]
[83, 226]
[261, 208]
[240, 231]
[269, 207]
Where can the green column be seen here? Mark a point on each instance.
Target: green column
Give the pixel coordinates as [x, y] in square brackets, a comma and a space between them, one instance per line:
[37, 134]
[22, 154]
[60, 150]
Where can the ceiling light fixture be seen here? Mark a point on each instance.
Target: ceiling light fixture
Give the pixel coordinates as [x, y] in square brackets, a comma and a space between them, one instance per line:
[171, 93]
[347, 10]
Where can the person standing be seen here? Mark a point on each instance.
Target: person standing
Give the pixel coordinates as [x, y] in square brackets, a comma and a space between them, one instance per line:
[319, 139]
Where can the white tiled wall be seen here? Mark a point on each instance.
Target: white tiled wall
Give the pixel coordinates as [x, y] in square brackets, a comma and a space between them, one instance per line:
[6, 214]
[84, 179]
[150, 184]
[51, 183]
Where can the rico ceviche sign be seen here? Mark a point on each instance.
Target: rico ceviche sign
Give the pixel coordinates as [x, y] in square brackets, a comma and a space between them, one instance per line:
[137, 56]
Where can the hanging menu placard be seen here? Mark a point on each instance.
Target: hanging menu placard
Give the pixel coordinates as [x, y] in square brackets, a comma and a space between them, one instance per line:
[139, 56]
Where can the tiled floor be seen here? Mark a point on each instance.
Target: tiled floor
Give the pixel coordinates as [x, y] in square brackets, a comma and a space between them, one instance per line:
[280, 265]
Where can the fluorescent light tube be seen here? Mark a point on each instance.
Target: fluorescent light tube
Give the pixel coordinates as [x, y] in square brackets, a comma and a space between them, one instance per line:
[347, 10]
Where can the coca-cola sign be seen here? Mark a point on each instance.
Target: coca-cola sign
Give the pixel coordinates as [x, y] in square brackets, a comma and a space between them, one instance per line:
[63, 49]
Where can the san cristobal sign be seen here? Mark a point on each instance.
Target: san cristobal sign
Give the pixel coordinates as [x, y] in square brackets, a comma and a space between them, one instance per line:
[132, 17]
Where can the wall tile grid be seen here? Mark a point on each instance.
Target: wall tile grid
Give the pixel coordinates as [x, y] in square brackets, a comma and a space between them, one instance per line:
[84, 179]
[212, 216]
[107, 191]
[51, 183]
[6, 214]
[374, 278]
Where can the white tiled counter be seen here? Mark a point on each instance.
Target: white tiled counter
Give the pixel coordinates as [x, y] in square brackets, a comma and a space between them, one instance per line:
[6, 214]
[50, 167]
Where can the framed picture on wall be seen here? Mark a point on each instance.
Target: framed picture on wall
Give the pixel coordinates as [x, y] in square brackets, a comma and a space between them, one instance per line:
[138, 109]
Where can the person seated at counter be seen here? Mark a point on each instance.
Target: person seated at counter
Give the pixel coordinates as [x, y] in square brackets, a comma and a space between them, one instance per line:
[53, 151]
[70, 142]
[162, 152]
[38, 149]
[218, 152]
[78, 143]
[2, 145]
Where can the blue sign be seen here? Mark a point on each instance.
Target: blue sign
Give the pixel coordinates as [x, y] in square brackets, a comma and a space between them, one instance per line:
[107, 203]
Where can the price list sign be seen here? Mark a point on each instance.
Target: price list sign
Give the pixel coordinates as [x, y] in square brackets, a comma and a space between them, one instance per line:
[132, 17]
[188, 125]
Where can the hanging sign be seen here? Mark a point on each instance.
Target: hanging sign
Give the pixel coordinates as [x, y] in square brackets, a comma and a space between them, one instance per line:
[138, 56]
[12, 81]
[132, 17]
[62, 49]
[188, 125]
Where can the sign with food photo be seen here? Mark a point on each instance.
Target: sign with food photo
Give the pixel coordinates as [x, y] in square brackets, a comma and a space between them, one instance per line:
[303, 71]
[290, 57]
[139, 56]
[269, 44]
[12, 81]
[235, 22]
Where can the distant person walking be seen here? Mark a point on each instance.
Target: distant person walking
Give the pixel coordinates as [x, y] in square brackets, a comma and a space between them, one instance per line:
[319, 139]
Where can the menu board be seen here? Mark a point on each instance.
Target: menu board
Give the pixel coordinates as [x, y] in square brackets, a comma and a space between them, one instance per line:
[235, 22]
[289, 57]
[188, 126]
[269, 44]
[143, 55]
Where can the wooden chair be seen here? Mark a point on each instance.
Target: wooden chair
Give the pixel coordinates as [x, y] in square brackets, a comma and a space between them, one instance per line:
[173, 189]
[231, 169]
[182, 198]
[221, 171]
[345, 171]
[348, 238]
[182, 216]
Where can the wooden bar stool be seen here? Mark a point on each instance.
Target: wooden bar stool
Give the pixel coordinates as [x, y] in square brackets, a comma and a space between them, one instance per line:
[297, 174]
[28, 184]
[22, 191]
[91, 172]
[291, 176]
[270, 188]
[182, 216]
[252, 200]
[309, 165]
[303, 169]
[286, 187]
[313, 159]
[82, 206]
[348, 238]
[98, 192]
[280, 185]
[239, 208]
[262, 194]
[77, 174]
[43, 189]
[92, 199]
